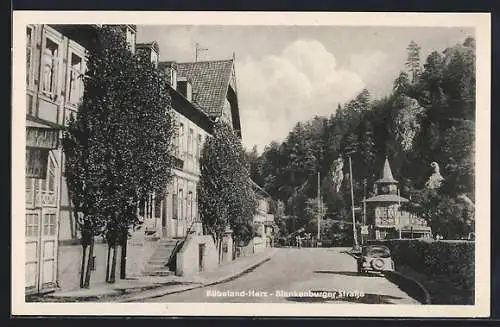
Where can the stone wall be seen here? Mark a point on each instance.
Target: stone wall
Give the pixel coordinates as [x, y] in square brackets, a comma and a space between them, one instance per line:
[188, 258]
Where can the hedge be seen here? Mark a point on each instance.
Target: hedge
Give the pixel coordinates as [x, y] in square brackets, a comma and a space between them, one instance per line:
[455, 259]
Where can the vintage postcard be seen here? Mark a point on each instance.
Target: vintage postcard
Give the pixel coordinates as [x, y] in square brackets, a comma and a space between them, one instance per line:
[260, 164]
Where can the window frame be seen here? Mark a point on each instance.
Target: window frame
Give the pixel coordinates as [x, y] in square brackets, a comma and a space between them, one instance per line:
[30, 72]
[181, 203]
[181, 141]
[55, 37]
[51, 172]
[49, 224]
[31, 225]
[190, 204]
[175, 206]
[133, 37]
[79, 51]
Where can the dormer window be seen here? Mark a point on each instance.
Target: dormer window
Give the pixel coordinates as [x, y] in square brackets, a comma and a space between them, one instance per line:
[173, 78]
[184, 87]
[130, 35]
[154, 59]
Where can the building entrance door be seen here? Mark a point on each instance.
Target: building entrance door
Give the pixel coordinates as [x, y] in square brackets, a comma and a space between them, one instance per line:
[41, 231]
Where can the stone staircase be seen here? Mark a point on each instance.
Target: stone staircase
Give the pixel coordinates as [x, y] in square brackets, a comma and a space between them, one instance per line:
[158, 264]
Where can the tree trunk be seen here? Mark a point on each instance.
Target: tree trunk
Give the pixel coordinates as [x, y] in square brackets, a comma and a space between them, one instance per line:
[123, 257]
[82, 270]
[107, 263]
[219, 248]
[112, 277]
[89, 263]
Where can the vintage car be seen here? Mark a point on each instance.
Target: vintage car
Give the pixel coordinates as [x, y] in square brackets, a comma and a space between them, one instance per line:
[374, 259]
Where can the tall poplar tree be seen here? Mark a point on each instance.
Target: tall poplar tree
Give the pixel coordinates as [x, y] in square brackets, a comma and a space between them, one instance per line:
[225, 192]
[118, 148]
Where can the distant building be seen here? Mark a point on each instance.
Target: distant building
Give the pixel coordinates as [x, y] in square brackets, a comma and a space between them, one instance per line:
[385, 218]
[264, 224]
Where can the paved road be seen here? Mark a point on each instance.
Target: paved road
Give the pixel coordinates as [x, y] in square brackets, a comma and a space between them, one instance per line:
[294, 271]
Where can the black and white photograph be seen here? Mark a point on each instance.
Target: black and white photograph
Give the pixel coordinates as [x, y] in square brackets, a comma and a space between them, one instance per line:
[256, 163]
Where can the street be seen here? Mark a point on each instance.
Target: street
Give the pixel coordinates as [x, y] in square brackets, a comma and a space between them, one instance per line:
[293, 272]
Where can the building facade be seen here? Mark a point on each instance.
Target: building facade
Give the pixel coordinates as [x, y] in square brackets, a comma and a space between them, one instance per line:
[263, 221]
[55, 65]
[385, 218]
[201, 92]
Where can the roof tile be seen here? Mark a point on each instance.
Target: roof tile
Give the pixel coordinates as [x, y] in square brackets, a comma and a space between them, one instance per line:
[210, 80]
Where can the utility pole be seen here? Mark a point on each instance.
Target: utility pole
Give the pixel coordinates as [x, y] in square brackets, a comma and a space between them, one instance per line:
[399, 214]
[364, 202]
[198, 50]
[319, 209]
[352, 200]
[364, 206]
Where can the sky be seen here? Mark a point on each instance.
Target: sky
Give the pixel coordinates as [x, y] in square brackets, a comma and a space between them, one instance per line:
[287, 74]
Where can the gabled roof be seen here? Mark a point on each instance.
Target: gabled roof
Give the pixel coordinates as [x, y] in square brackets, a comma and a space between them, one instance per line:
[259, 189]
[210, 81]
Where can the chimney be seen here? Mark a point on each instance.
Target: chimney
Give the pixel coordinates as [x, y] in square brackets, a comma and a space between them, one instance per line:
[170, 69]
[150, 51]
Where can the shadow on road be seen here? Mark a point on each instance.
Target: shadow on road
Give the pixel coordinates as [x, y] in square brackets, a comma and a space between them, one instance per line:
[352, 254]
[343, 273]
[368, 298]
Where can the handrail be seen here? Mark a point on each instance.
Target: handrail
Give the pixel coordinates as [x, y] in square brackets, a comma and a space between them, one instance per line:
[178, 244]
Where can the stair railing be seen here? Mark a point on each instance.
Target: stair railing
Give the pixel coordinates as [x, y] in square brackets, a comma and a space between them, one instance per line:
[171, 263]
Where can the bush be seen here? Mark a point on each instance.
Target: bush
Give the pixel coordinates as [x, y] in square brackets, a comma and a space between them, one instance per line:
[455, 259]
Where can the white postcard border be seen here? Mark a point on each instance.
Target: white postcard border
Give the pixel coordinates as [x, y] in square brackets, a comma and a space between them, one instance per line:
[481, 23]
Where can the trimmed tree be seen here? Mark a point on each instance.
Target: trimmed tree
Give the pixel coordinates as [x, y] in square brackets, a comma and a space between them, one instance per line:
[118, 149]
[226, 198]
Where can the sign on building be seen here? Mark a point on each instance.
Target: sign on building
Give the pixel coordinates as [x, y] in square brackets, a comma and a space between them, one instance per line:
[39, 142]
[364, 230]
[44, 138]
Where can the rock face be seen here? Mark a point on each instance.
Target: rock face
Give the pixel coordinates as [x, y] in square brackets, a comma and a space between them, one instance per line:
[435, 180]
[337, 174]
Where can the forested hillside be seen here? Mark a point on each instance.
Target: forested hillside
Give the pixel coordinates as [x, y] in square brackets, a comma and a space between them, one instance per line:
[428, 117]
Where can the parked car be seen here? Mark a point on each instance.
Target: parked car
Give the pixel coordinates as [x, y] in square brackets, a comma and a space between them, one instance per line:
[375, 259]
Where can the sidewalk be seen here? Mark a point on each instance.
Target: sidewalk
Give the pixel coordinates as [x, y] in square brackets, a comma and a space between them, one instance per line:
[144, 287]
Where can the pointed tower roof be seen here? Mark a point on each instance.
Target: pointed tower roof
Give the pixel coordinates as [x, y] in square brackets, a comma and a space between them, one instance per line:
[387, 174]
